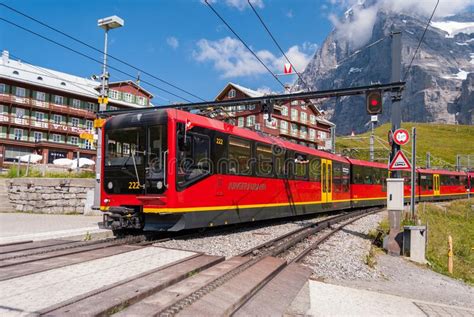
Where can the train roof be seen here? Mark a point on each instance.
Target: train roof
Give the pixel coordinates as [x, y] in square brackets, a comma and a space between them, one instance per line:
[366, 163]
[444, 172]
[197, 120]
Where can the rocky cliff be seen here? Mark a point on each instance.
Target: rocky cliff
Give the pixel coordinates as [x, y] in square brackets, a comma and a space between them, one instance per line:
[439, 86]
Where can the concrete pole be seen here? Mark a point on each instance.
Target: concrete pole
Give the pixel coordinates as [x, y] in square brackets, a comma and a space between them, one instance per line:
[78, 156]
[458, 162]
[396, 115]
[372, 143]
[102, 107]
[428, 160]
[413, 172]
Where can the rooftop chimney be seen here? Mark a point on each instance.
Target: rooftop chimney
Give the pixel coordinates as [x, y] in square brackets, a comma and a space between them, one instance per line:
[5, 56]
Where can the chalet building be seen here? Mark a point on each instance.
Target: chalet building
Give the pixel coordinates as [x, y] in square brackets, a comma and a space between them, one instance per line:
[44, 111]
[298, 121]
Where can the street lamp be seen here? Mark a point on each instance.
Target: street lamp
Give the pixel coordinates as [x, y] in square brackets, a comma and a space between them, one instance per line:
[107, 24]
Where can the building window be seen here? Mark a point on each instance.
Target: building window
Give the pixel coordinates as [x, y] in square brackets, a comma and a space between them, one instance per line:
[128, 97]
[91, 106]
[250, 121]
[294, 114]
[19, 113]
[232, 93]
[240, 108]
[241, 122]
[303, 132]
[312, 134]
[20, 92]
[39, 116]
[142, 101]
[89, 125]
[284, 126]
[74, 140]
[38, 136]
[18, 134]
[59, 100]
[294, 129]
[76, 103]
[87, 144]
[57, 118]
[312, 119]
[56, 138]
[284, 111]
[3, 88]
[323, 135]
[75, 122]
[272, 124]
[40, 96]
[294, 103]
[304, 117]
[114, 94]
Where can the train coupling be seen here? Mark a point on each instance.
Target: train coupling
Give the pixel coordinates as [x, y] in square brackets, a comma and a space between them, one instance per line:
[122, 218]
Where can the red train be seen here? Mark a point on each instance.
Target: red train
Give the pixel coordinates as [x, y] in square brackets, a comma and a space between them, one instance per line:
[168, 169]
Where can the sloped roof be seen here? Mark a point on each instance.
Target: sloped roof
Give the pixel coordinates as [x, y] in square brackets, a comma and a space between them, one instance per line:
[35, 75]
[249, 92]
[132, 83]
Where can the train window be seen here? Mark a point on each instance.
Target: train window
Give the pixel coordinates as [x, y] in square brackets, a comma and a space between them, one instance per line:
[279, 165]
[315, 169]
[264, 160]
[239, 156]
[157, 145]
[193, 161]
[301, 166]
[345, 178]
[337, 177]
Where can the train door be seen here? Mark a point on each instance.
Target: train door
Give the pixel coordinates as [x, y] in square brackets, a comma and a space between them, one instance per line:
[326, 181]
[436, 184]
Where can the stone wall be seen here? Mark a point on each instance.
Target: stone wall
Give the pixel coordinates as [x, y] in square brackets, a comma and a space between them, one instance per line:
[51, 195]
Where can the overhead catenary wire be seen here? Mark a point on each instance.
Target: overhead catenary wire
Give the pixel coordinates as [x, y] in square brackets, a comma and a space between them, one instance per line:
[357, 52]
[276, 43]
[91, 58]
[243, 42]
[100, 51]
[421, 41]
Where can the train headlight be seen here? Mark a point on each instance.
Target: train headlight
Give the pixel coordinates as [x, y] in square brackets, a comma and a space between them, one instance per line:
[106, 201]
[159, 184]
[110, 185]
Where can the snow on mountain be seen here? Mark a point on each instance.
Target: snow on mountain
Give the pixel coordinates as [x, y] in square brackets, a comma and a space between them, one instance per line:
[454, 27]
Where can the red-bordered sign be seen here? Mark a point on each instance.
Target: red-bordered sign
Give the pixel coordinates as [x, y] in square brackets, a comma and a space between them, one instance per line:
[401, 137]
[399, 162]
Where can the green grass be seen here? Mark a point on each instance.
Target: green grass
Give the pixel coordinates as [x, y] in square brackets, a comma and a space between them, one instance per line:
[455, 219]
[33, 172]
[443, 141]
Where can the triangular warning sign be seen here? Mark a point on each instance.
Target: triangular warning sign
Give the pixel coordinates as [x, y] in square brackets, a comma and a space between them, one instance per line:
[399, 162]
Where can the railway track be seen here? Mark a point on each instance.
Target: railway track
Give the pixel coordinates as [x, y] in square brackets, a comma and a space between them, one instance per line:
[183, 287]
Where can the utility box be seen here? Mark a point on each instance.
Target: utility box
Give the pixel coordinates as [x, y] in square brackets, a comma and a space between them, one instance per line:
[395, 194]
[414, 243]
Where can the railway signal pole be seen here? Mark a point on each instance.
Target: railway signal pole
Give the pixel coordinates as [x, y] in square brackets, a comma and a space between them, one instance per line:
[396, 114]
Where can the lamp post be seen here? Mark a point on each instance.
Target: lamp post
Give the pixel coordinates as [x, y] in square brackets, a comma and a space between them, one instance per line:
[107, 24]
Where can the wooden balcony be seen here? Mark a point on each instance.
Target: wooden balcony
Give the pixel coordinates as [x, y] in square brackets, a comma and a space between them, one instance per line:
[32, 123]
[47, 106]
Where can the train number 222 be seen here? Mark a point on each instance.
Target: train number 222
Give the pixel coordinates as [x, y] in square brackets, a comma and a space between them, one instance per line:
[134, 185]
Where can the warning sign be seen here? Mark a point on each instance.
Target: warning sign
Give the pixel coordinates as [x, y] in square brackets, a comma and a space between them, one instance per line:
[399, 162]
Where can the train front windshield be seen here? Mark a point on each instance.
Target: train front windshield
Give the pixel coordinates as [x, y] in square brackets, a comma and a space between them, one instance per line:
[135, 160]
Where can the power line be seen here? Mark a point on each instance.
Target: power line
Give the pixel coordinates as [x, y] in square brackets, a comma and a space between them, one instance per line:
[357, 52]
[243, 42]
[421, 40]
[90, 58]
[276, 43]
[100, 51]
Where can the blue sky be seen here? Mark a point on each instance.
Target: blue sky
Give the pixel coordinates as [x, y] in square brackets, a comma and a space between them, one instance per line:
[183, 42]
[174, 40]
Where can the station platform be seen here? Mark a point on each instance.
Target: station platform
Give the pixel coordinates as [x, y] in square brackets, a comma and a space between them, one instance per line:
[17, 227]
[323, 299]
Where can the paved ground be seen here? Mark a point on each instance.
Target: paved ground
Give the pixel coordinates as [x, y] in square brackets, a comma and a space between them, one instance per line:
[21, 227]
[31, 293]
[322, 299]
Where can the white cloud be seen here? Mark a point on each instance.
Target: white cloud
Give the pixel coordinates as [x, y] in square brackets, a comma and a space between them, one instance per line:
[358, 24]
[238, 4]
[173, 42]
[230, 57]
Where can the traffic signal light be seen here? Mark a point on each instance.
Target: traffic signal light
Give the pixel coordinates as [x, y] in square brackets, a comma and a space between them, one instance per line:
[374, 102]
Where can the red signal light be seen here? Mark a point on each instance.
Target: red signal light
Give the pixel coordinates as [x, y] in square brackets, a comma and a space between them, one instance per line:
[374, 102]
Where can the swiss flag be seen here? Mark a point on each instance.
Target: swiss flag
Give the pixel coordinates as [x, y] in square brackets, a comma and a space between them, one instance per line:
[189, 125]
[288, 69]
